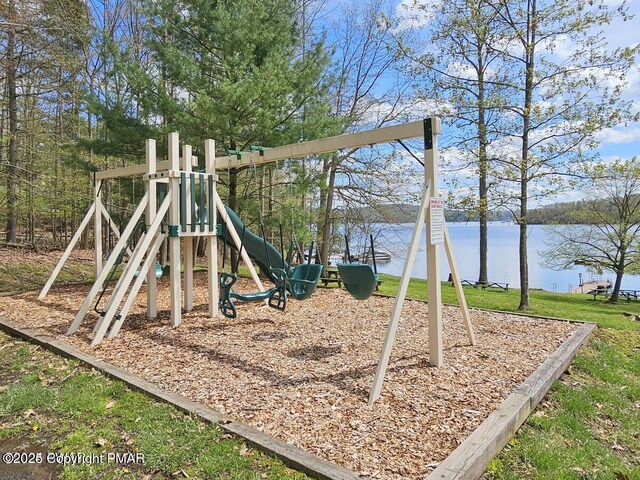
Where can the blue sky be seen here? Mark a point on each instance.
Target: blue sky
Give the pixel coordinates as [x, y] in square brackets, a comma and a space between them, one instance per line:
[625, 141]
[622, 141]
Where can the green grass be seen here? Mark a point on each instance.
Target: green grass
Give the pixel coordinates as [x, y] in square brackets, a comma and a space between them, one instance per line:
[588, 427]
[71, 409]
[19, 276]
[571, 306]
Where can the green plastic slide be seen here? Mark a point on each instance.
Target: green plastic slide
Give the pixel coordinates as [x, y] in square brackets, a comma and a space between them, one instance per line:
[301, 283]
[255, 247]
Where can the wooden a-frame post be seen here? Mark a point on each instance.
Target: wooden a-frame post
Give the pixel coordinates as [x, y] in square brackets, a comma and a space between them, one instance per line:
[432, 213]
[174, 239]
[187, 242]
[97, 225]
[435, 219]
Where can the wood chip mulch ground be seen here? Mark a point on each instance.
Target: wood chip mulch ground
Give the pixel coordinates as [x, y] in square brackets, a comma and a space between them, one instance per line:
[304, 375]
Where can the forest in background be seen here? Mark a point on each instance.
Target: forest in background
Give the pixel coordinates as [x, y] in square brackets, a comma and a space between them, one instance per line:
[87, 83]
[84, 84]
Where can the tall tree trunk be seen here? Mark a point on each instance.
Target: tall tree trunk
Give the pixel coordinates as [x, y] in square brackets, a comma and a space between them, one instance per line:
[328, 209]
[322, 208]
[524, 164]
[55, 201]
[84, 241]
[615, 294]
[483, 207]
[12, 176]
[30, 154]
[524, 264]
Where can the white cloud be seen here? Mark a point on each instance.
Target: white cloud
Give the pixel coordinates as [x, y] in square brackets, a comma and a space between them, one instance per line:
[560, 46]
[619, 134]
[414, 14]
[376, 111]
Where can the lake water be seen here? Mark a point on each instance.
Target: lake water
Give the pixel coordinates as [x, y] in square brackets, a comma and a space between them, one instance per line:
[503, 256]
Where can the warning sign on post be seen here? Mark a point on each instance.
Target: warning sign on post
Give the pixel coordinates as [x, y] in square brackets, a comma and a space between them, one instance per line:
[436, 226]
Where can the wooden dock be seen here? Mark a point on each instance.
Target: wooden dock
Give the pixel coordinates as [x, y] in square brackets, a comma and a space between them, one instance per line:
[590, 285]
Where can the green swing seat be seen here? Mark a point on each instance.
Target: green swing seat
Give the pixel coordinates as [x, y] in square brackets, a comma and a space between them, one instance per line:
[304, 280]
[358, 279]
[276, 297]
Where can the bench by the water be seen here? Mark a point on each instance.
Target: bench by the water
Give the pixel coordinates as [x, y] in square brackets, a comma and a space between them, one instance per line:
[630, 294]
[485, 285]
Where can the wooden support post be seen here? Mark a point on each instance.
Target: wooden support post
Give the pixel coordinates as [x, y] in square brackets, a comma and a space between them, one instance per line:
[462, 301]
[97, 286]
[432, 130]
[212, 240]
[119, 292]
[67, 251]
[152, 281]
[374, 394]
[174, 222]
[187, 242]
[97, 226]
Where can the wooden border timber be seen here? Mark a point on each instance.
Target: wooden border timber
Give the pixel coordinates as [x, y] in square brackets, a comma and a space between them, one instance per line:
[470, 459]
[312, 147]
[291, 455]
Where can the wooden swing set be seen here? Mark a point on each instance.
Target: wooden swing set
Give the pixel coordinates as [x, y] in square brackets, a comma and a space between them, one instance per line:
[194, 207]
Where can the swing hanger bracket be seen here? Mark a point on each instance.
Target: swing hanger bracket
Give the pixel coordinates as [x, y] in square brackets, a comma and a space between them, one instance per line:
[237, 153]
[258, 148]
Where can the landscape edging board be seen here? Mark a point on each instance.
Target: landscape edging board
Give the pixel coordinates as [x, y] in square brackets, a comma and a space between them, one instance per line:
[470, 459]
[291, 455]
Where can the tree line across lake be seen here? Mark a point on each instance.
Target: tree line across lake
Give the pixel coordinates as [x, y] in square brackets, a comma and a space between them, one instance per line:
[562, 213]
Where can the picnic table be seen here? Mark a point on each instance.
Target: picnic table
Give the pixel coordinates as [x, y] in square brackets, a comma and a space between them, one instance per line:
[485, 285]
[630, 294]
[334, 277]
[596, 292]
[605, 292]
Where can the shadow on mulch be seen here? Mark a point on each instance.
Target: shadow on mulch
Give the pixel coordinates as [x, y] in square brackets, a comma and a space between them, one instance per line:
[344, 380]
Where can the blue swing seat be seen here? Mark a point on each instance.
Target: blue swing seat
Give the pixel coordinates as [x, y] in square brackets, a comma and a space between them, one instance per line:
[158, 271]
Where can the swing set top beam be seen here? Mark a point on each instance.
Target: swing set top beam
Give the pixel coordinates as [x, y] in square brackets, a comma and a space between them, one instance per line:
[324, 145]
[296, 150]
